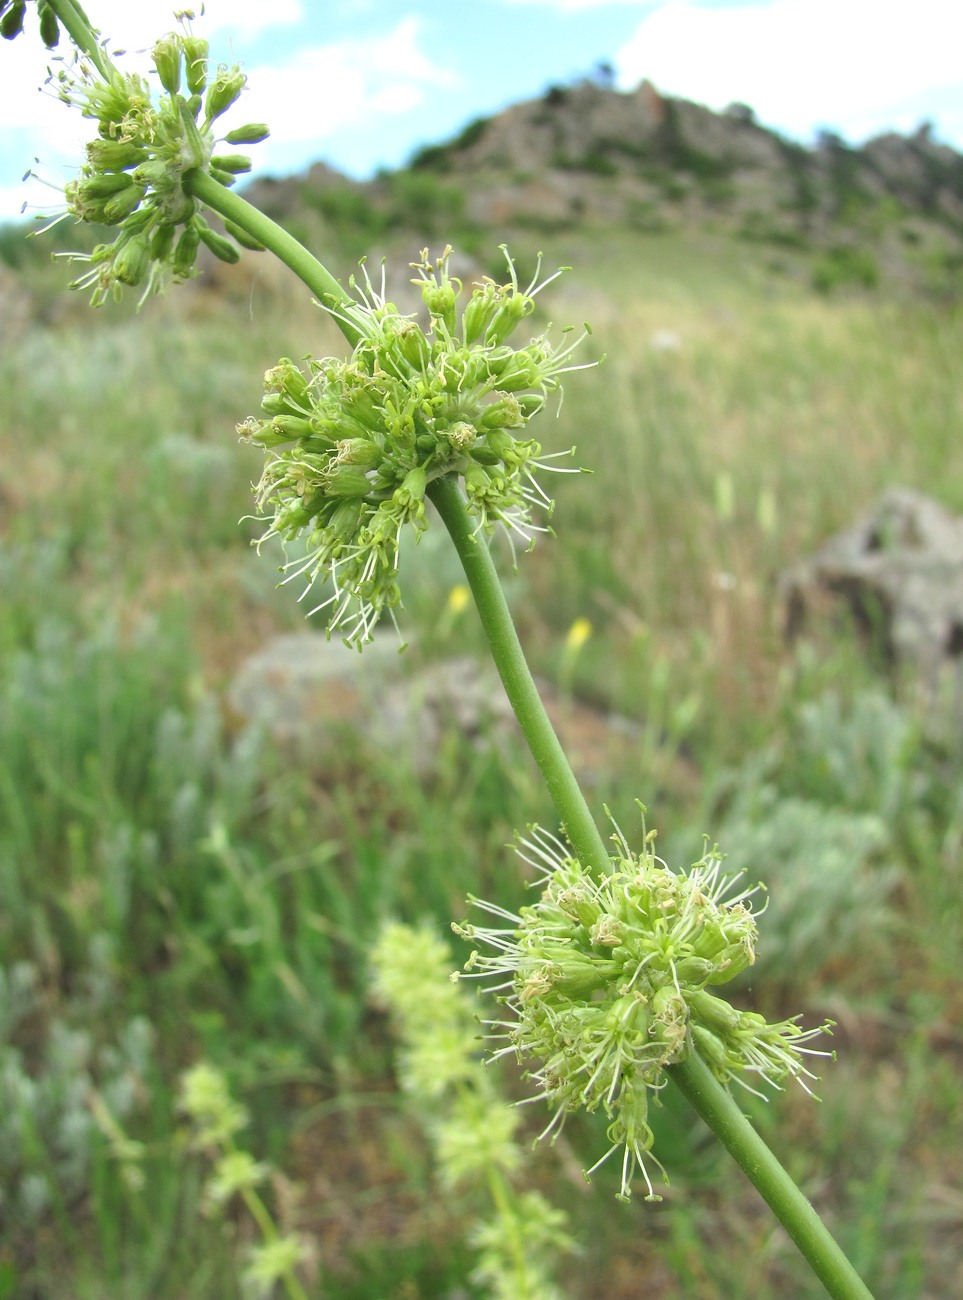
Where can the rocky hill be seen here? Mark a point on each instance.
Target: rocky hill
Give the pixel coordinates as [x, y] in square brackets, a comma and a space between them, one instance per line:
[587, 154]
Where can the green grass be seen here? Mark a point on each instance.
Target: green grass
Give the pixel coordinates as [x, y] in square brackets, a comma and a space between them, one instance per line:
[169, 874]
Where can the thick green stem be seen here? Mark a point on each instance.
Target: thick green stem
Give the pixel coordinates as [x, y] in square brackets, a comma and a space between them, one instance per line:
[83, 34]
[516, 676]
[267, 232]
[717, 1107]
[693, 1077]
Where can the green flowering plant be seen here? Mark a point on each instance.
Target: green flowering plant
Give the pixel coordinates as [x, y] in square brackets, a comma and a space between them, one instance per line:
[610, 978]
[411, 405]
[609, 974]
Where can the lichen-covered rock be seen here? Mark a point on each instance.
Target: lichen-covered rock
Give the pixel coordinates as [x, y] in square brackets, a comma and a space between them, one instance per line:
[897, 574]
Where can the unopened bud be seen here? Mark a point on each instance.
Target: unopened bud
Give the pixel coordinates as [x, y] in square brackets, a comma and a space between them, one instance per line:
[235, 163]
[195, 60]
[167, 60]
[123, 204]
[219, 246]
[185, 252]
[132, 261]
[347, 481]
[49, 27]
[243, 238]
[253, 133]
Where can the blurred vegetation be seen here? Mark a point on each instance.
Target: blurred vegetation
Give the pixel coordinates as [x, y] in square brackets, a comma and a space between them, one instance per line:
[176, 889]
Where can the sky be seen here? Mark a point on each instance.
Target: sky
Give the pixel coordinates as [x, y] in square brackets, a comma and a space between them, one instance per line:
[361, 84]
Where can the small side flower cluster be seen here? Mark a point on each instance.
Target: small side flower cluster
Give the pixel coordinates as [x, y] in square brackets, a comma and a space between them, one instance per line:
[134, 174]
[216, 1119]
[369, 434]
[473, 1130]
[608, 983]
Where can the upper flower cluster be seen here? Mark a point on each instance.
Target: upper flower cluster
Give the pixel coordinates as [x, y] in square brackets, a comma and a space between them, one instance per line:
[609, 984]
[366, 436]
[134, 174]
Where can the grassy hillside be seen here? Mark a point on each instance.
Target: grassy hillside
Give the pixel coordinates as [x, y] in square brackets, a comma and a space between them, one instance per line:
[176, 888]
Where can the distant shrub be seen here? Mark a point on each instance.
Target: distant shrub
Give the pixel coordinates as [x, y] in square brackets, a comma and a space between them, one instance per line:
[421, 200]
[845, 266]
[437, 157]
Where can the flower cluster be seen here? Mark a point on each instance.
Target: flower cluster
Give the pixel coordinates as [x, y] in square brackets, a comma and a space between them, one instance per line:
[608, 983]
[134, 175]
[368, 435]
[216, 1119]
[473, 1130]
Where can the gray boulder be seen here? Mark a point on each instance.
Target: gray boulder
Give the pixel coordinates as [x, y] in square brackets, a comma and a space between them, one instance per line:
[898, 575]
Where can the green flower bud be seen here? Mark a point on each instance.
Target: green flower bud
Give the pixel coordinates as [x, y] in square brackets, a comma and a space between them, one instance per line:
[440, 300]
[530, 404]
[49, 27]
[712, 1050]
[253, 133]
[133, 261]
[345, 517]
[223, 91]
[714, 1013]
[289, 428]
[511, 312]
[185, 252]
[104, 185]
[123, 204]
[480, 312]
[152, 172]
[162, 241]
[235, 163]
[195, 61]
[227, 179]
[219, 246]
[359, 451]
[413, 345]
[287, 378]
[11, 23]
[347, 481]
[167, 60]
[504, 412]
[114, 155]
[243, 238]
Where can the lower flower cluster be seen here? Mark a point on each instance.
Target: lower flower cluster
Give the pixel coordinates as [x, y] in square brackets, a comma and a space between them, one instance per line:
[608, 983]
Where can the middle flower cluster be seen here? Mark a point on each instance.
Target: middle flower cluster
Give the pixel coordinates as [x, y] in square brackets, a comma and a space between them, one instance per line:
[365, 437]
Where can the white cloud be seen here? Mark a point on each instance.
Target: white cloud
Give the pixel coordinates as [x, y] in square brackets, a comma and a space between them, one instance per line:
[136, 26]
[571, 6]
[855, 65]
[325, 88]
[315, 93]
